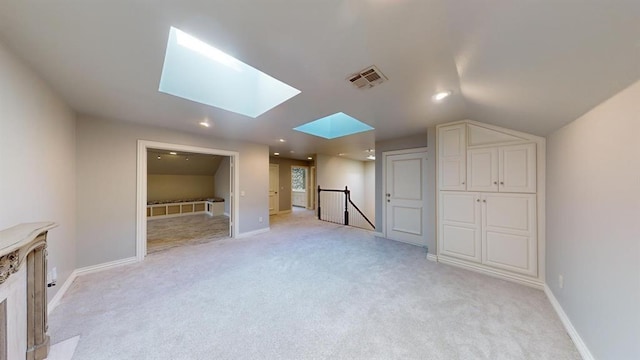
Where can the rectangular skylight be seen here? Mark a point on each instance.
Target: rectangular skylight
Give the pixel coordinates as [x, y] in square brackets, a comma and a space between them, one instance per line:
[334, 126]
[197, 71]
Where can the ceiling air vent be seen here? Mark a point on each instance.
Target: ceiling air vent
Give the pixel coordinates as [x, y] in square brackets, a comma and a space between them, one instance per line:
[367, 78]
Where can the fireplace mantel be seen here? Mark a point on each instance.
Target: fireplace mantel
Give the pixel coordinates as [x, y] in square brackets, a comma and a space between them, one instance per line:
[23, 297]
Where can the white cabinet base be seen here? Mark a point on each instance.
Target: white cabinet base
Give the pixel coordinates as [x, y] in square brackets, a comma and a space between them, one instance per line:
[505, 275]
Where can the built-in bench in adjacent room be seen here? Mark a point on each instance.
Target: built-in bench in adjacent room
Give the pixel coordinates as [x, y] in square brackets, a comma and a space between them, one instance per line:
[169, 208]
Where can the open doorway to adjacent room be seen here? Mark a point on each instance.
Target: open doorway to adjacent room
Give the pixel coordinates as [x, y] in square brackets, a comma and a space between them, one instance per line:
[185, 196]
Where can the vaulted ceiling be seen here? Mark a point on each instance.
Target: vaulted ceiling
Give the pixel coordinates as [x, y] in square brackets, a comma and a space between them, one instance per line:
[529, 65]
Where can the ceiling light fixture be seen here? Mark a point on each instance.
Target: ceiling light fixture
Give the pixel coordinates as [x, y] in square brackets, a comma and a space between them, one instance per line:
[159, 157]
[441, 95]
[204, 123]
[276, 154]
[309, 158]
[371, 157]
[282, 140]
[173, 153]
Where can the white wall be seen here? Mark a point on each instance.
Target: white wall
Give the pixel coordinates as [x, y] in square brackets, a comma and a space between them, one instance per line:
[107, 184]
[593, 224]
[223, 183]
[37, 161]
[179, 187]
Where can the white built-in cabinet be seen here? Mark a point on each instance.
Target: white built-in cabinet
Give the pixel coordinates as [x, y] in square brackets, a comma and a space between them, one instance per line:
[488, 203]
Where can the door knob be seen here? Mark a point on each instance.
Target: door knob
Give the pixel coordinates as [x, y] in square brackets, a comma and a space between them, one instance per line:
[477, 200]
[485, 200]
[388, 200]
[495, 183]
[388, 195]
[501, 182]
[463, 183]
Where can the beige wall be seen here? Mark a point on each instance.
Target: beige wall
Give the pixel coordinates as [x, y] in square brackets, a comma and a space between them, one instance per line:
[37, 161]
[179, 187]
[369, 201]
[223, 183]
[593, 224]
[106, 195]
[336, 172]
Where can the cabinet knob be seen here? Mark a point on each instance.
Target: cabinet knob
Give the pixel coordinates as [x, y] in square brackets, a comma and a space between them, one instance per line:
[485, 200]
[477, 200]
[495, 183]
[501, 182]
[388, 195]
[463, 183]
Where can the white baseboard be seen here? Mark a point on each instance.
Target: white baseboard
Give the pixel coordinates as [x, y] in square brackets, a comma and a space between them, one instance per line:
[520, 279]
[55, 301]
[252, 233]
[573, 333]
[104, 266]
[378, 234]
[432, 257]
[284, 212]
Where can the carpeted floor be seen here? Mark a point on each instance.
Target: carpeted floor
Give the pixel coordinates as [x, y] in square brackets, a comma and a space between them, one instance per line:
[305, 290]
[163, 234]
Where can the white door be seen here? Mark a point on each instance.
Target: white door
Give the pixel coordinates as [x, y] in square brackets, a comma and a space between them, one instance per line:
[274, 185]
[518, 168]
[405, 201]
[482, 169]
[460, 225]
[451, 150]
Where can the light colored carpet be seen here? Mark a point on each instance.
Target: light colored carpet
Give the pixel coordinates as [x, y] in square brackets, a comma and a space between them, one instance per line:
[163, 234]
[305, 290]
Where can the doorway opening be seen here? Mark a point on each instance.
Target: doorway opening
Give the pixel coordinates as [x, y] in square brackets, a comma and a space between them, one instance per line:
[300, 186]
[177, 199]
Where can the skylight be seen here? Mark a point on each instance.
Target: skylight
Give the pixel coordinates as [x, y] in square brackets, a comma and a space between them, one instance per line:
[197, 71]
[334, 126]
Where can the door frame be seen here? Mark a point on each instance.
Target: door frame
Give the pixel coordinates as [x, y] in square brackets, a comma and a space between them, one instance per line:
[306, 183]
[276, 210]
[385, 155]
[141, 187]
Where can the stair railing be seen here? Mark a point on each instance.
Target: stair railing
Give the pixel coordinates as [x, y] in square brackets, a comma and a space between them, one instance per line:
[336, 207]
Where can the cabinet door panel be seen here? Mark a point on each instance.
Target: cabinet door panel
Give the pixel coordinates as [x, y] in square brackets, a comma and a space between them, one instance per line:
[510, 252]
[518, 168]
[482, 169]
[452, 154]
[460, 234]
[461, 242]
[509, 232]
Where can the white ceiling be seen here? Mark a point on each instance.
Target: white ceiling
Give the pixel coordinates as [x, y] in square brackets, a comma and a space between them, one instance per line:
[529, 65]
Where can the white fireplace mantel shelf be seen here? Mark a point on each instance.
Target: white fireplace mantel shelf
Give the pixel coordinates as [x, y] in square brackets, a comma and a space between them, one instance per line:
[15, 237]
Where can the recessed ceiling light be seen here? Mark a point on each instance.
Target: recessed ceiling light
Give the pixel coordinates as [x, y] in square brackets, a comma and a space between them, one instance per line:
[173, 153]
[341, 154]
[204, 123]
[441, 95]
[371, 157]
[282, 140]
[159, 157]
[187, 159]
[309, 158]
[197, 71]
[276, 154]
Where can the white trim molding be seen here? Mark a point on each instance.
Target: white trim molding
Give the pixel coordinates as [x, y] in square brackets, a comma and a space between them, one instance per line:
[55, 301]
[141, 187]
[573, 333]
[252, 233]
[432, 257]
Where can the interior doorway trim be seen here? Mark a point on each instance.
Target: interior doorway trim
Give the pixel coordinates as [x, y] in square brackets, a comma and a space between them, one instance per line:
[141, 187]
[385, 154]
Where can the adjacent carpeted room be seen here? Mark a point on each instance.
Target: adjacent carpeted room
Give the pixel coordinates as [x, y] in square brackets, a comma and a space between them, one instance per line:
[305, 290]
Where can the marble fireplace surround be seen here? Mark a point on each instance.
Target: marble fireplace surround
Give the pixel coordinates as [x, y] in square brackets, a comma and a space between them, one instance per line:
[23, 267]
